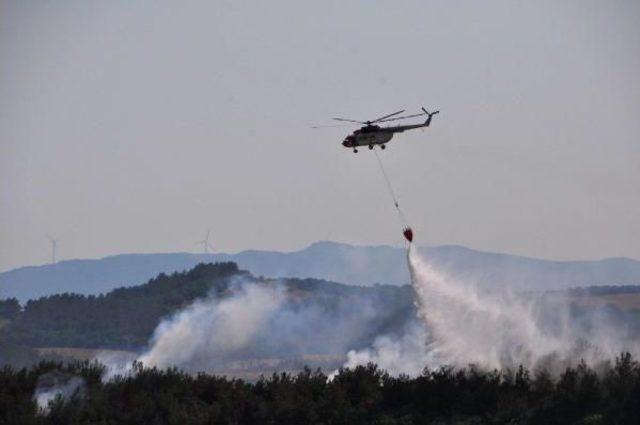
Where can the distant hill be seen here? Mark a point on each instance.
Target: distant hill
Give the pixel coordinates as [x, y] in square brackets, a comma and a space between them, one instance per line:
[356, 265]
[317, 318]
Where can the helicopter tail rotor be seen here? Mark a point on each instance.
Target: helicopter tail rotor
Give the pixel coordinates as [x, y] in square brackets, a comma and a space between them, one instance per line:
[429, 116]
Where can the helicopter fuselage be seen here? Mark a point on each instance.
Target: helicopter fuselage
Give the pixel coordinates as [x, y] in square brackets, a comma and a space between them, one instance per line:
[372, 135]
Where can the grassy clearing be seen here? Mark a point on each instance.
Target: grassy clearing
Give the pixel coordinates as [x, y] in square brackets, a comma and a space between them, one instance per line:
[629, 301]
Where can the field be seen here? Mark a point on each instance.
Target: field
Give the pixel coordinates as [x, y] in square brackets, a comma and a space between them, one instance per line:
[249, 369]
[629, 301]
[71, 353]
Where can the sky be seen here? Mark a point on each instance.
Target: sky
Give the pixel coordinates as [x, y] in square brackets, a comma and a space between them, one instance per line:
[137, 126]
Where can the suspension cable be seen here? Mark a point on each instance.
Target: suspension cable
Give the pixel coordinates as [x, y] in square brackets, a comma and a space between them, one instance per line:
[391, 191]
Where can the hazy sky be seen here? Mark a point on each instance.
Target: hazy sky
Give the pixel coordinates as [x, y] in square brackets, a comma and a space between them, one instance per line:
[136, 126]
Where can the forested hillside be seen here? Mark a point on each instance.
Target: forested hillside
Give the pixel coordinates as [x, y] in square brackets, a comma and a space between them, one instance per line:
[126, 317]
[123, 318]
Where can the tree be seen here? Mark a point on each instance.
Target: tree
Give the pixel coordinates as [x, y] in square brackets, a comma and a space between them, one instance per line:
[9, 308]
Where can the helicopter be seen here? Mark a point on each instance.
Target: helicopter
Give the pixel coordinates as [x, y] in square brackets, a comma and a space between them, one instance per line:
[372, 134]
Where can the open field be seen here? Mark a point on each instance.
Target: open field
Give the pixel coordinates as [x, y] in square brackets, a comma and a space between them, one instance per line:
[249, 369]
[629, 301]
[83, 353]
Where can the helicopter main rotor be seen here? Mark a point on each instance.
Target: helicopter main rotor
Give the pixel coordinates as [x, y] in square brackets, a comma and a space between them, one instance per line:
[386, 118]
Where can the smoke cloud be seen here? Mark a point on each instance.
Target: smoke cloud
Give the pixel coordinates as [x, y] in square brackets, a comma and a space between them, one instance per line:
[406, 353]
[272, 325]
[210, 329]
[57, 385]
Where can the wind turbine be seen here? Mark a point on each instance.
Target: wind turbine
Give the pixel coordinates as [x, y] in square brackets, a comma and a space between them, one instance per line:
[205, 243]
[54, 246]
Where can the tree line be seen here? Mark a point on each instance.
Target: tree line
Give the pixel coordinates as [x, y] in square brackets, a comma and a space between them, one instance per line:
[362, 395]
[9, 308]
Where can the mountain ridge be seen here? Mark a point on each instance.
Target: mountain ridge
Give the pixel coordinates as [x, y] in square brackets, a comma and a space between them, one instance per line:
[339, 262]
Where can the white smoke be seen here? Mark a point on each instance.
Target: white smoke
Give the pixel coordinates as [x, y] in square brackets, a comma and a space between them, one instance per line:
[211, 328]
[258, 321]
[404, 354]
[57, 385]
[461, 325]
[456, 324]
[203, 334]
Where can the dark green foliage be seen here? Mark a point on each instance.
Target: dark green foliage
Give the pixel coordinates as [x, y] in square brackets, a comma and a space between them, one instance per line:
[123, 318]
[363, 395]
[9, 308]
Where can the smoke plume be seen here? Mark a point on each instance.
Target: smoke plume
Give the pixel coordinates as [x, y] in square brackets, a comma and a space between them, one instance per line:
[272, 323]
[58, 385]
[210, 329]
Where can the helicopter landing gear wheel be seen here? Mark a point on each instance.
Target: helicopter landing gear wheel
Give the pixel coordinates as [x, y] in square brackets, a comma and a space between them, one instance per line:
[383, 146]
[355, 150]
[370, 147]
